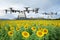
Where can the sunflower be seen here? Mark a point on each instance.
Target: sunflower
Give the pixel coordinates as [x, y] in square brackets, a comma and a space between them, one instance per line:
[39, 34]
[26, 26]
[45, 24]
[12, 28]
[18, 25]
[59, 24]
[33, 29]
[2, 24]
[45, 31]
[10, 33]
[40, 29]
[17, 29]
[25, 34]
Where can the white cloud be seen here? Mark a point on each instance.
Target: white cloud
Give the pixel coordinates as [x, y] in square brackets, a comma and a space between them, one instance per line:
[44, 5]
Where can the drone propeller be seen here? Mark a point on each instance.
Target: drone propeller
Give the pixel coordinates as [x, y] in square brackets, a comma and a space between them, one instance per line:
[51, 13]
[11, 8]
[45, 13]
[56, 13]
[27, 9]
[36, 10]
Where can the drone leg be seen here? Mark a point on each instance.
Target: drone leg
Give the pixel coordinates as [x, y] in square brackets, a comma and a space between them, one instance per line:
[25, 14]
[6, 11]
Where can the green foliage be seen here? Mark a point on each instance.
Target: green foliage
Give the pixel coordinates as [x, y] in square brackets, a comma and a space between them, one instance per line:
[53, 33]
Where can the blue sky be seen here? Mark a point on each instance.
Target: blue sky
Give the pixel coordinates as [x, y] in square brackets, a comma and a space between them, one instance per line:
[44, 5]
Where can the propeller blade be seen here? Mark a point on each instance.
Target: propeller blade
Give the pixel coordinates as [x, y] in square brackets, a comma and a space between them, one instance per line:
[26, 8]
[36, 10]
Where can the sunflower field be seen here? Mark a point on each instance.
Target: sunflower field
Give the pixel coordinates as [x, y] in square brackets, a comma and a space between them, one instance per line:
[29, 29]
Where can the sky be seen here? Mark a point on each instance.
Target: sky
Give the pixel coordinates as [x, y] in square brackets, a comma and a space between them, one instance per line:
[44, 5]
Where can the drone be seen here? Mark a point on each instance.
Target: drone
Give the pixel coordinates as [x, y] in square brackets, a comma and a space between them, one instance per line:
[49, 13]
[19, 11]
